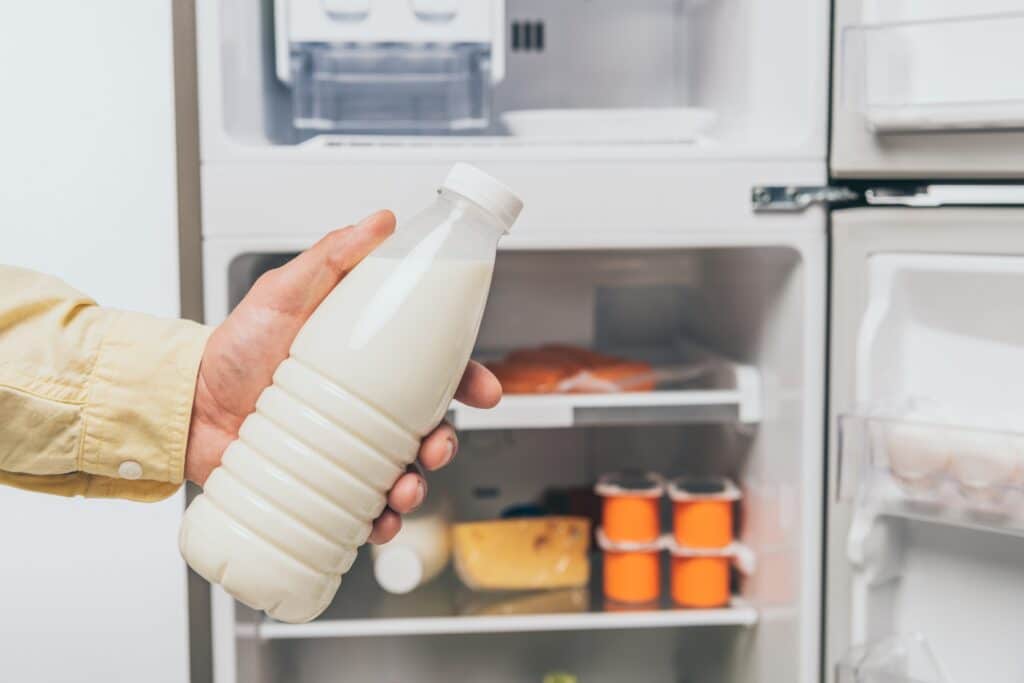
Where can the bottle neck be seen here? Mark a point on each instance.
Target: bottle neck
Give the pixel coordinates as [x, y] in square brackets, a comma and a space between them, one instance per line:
[470, 207]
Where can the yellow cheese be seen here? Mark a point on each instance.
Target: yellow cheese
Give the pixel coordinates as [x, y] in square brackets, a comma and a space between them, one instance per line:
[522, 554]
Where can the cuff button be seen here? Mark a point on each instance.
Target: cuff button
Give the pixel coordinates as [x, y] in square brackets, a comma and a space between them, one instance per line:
[129, 469]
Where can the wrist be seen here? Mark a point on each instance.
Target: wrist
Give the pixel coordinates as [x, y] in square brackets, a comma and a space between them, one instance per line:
[206, 439]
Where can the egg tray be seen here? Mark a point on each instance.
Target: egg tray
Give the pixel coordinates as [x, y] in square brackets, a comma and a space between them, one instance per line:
[934, 469]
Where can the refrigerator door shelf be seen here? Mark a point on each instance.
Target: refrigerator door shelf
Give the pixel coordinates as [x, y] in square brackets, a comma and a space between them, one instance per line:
[937, 74]
[932, 470]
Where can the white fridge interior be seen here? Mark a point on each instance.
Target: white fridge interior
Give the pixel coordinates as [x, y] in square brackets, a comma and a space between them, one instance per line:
[746, 309]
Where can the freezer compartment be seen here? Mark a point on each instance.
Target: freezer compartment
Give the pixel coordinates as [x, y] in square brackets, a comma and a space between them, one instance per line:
[577, 72]
[936, 74]
[390, 87]
[934, 470]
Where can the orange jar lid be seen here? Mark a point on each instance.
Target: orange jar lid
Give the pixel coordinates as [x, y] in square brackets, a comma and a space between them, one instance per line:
[630, 483]
[690, 489]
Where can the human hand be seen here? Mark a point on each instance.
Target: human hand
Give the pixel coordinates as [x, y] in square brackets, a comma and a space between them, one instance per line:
[243, 352]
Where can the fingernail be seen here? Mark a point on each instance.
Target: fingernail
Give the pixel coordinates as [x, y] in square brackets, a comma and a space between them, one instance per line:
[421, 493]
[449, 451]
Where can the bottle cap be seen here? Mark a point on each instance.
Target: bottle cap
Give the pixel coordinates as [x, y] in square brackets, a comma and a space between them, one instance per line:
[477, 186]
[398, 569]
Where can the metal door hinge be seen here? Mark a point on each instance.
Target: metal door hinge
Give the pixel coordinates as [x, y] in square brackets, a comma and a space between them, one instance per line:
[798, 197]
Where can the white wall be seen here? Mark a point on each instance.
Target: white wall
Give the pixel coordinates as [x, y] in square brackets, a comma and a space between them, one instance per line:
[90, 590]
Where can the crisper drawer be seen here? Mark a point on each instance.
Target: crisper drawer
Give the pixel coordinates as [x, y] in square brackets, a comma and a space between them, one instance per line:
[928, 89]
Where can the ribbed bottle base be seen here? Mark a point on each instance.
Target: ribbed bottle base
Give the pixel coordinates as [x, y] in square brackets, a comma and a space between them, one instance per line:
[283, 517]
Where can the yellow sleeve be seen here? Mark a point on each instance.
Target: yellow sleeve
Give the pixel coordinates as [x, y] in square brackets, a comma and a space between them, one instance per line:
[93, 401]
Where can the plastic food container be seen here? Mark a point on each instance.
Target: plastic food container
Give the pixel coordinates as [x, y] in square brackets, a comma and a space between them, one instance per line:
[631, 506]
[632, 571]
[702, 511]
[391, 88]
[699, 577]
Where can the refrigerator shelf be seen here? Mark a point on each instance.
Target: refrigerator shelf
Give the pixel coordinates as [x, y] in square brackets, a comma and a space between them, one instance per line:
[594, 410]
[725, 392]
[935, 471]
[737, 614]
[950, 73]
[446, 606]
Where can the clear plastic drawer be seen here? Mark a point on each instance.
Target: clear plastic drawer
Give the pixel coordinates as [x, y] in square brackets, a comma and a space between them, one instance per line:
[958, 73]
[934, 468]
[414, 88]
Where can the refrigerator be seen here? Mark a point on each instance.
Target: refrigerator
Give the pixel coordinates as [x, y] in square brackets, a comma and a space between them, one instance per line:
[817, 205]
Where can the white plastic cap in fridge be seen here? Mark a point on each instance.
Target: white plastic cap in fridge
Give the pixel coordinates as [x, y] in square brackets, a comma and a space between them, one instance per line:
[398, 569]
[477, 186]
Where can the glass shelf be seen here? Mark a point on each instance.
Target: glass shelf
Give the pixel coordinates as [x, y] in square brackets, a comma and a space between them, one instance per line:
[721, 391]
[446, 606]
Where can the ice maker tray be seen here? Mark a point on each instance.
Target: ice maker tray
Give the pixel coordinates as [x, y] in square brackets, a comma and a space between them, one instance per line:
[390, 88]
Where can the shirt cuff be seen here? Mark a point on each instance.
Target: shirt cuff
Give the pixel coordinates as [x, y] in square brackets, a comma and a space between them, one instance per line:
[139, 405]
[90, 486]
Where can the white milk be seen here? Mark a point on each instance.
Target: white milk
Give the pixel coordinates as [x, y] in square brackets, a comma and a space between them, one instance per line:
[369, 335]
[370, 373]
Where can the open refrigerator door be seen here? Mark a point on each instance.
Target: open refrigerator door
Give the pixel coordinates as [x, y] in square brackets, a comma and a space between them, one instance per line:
[925, 521]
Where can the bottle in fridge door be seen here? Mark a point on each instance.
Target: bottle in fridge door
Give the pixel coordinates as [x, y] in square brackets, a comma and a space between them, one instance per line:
[371, 372]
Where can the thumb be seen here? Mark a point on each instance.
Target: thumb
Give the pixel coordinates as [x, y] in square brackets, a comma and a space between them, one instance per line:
[308, 278]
